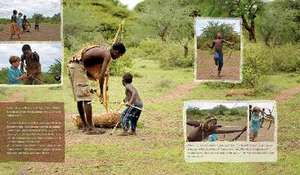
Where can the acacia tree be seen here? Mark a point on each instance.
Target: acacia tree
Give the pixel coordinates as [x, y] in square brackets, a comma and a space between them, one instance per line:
[280, 22]
[209, 33]
[247, 10]
[169, 20]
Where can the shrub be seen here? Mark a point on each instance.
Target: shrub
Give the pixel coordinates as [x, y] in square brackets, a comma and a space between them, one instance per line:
[169, 54]
[254, 65]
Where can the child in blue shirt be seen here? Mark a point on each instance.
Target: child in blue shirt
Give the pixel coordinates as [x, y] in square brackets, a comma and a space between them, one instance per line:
[14, 74]
[255, 123]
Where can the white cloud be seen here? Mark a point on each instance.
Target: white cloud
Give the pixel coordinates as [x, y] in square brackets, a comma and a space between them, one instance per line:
[130, 3]
[47, 52]
[29, 7]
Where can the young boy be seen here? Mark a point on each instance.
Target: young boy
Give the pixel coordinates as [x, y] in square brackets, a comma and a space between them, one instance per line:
[14, 74]
[26, 24]
[134, 106]
[14, 29]
[20, 21]
[254, 123]
[218, 55]
[36, 24]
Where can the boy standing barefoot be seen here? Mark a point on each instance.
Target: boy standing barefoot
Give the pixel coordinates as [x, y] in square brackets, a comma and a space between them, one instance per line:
[134, 106]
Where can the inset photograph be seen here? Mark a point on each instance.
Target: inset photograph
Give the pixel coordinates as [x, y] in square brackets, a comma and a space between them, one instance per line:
[262, 117]
[208, 121]
[31, 64]
[30, 20]
[218, 47]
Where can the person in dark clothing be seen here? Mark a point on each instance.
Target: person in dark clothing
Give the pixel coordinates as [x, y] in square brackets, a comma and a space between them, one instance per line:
[31, 62]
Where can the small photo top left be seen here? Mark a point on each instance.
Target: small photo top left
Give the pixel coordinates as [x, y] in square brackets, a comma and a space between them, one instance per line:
[30, 20]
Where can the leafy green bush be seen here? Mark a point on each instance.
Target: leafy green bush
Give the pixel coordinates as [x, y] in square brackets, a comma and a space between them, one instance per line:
[260, 60]
[3, 76]
[256, 63]
[285, 58]
[169, 54]
[121, 65]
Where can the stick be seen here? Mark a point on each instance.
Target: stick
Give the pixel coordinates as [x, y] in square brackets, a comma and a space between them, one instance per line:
[238, 136]
[115, 127]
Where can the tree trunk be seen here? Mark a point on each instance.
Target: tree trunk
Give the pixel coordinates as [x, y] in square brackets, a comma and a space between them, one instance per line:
[186, 49]
[162, 34]
[250, 28]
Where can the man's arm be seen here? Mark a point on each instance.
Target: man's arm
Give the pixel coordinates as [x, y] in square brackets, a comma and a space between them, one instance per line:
[193, 123]
[103, 74]
[22, 64]
[221, 131]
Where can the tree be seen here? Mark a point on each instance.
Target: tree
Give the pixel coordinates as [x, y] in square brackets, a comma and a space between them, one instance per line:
[280, 22]
[247, 10]
[209, 33]
[175, 21]
[37, 17]
[55, 68]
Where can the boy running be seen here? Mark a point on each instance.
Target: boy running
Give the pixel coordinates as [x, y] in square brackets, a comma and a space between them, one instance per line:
[134, 106]
[218, 55]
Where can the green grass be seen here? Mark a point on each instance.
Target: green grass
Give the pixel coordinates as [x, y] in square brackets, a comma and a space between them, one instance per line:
[159, 148]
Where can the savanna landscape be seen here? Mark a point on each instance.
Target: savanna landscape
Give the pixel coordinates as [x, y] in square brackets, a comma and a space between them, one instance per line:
[160, 54]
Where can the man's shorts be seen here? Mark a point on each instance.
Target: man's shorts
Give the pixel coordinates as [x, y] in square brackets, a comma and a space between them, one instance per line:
[79, 82]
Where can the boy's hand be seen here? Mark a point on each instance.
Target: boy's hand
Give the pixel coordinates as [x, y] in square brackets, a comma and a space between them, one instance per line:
[23, 77]
[128, 104]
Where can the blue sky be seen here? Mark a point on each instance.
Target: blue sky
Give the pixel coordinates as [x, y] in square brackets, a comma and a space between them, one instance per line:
[202, 23]
[29, 7]
[48, 53]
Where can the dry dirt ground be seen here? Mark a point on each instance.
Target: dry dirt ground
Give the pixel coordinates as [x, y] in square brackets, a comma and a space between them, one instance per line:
[265, 134]
[287, 94]
[47, 32]
[207, 70]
